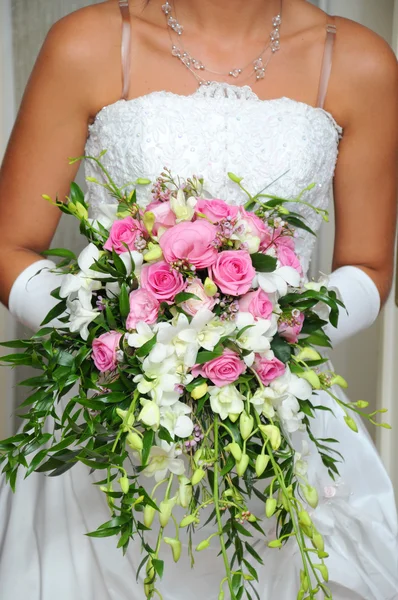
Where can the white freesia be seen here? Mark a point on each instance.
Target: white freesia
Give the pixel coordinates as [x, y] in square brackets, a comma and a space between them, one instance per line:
[226, 400]
[160, 381]
[86, 278]
[279, 280]
[290, 414]
[262, 401]
[290, 384]
[287, 389]
[174, 418]
[198, 332]
[143, 333]
[163, 459]
[81, 313]
[183, 209]
[150, 414]
[257, 336]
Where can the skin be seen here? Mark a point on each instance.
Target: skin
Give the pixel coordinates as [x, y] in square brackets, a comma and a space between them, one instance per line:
[79, 71]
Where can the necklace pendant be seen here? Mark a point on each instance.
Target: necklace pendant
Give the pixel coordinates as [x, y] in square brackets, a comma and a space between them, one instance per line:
[176, 51]
[258, 64]
[275, 45]
[235, 73]
[166, 8]
[276, 21]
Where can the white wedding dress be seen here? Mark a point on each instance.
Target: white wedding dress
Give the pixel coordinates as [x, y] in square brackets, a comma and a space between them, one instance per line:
[283, 144]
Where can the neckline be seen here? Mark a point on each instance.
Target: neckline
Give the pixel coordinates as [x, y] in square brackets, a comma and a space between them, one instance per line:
[221, 90]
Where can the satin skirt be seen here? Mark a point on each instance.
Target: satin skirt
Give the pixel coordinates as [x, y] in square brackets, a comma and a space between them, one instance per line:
[44, 553]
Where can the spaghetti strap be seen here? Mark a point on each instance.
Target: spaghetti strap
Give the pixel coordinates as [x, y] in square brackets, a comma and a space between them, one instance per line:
[326, 70]
[126, 46]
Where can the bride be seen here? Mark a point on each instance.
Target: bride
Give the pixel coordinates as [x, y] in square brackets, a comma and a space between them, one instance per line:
[277, 94]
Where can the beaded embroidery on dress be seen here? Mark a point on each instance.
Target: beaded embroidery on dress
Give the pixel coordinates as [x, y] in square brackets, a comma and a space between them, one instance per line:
[279, 143]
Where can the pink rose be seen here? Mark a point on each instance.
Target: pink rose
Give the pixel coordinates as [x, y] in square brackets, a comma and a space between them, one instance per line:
[124, 232]
[143, 307]
[161, 281]
[233, 272]
[289, 329]
[268, 369]
[288, 258]
[216, 210]
[283, 240]
[257, 303]
[222, 370]
[254, 225]
[104, 351]
[164, 216]
[192, 242]
[192, 306]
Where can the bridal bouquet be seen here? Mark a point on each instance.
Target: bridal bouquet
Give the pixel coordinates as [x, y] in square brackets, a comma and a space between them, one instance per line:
[187, 333]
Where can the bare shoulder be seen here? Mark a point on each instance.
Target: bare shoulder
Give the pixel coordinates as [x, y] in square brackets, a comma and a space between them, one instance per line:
[85, 45]
[365, 67]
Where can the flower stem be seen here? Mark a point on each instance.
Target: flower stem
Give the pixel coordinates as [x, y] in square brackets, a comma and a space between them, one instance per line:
[218, 512]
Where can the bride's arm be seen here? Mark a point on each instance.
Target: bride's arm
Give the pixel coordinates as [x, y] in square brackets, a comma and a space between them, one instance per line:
[65, 90]
[365, 188]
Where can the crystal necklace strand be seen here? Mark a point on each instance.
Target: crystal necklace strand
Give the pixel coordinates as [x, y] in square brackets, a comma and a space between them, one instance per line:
[196, 66]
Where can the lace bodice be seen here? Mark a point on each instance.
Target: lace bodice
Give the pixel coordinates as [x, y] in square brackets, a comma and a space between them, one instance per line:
[280, 144]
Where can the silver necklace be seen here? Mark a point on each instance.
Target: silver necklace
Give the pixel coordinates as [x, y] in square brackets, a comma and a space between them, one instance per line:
[196, 66]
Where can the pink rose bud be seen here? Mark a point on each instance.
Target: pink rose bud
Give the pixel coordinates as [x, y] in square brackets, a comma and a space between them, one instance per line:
[143, 307]
[191, 242]
[268, 369]
[216, 210]
[288, 258]
[233, 272]
[290, 328]
[223, 370]
[105, 348]
[124, 234]
[161, 281]
[257, 303]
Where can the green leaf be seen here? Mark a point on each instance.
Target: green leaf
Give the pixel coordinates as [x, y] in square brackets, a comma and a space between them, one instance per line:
[103, 533]
[251, 569]
[184, 296]
[76, 194]
[159, 566]
[39, 457]
[146, 348]
[62, 252]
[205, 356]
[15, 344]
[281, 349]
[148, 439]
[124, 302]
[54, 313]
[236, 583]
[263, 263]
[65, 359]
[229, 465]
[110, 318]
[119, 264]
[296, 222]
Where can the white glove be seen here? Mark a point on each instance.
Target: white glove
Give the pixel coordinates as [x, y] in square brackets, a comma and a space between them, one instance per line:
[30, 297]
[362, 301]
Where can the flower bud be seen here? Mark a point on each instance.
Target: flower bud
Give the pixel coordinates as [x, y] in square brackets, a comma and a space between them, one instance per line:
[150, 414]
[150, 569]
[188, 520]
[149, 515]
[304, 581]
[135, 441]
[275, 544]
[270, 507]
[197, 456]
[78, 210]
[340, 381]
[123, 416]
[234, 178]
[283, 211]
[148, 218]
[242, 465]
[210, 287]
[197, 476]
[318, 542]
[184, 491]
[154, 253]
[311, 495]
[221, 595]
[233, 417]
[246, 424]
[323, 571]
[261, 464]
[203, 545]
[165, 510]
[252, 518]
[351, 423]
[175, 546]
[305, 519]
[143, 181]
[148, 587]
[323, 554]
[362, 404]
[308, 353]
[273, 434]
[124, 484]
[199, 391]
[235, 450]
[312, 378]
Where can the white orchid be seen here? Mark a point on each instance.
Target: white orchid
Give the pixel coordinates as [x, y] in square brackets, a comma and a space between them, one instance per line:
[86, 278]
[174, 418]
[160, 381]
[256, 335]
[81, 313]
[262, 401]
[163, 459]
[279, 280]
[184, 209]
[142, 335]
[287, 389]
[226, 400]
[197, 331]
[150, 414]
